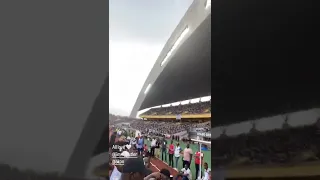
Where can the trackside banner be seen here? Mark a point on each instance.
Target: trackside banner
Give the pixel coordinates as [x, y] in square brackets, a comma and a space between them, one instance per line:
[204, 134]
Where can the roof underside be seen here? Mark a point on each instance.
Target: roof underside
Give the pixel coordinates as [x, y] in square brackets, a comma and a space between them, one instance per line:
[187, 74]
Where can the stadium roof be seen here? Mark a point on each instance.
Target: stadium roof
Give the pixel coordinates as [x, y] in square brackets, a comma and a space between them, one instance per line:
[186, 73]
[262, 63]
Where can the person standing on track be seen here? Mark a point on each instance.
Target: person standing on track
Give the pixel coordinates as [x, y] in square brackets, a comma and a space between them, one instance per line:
[164, 150]
[171, 152]
[197, 161]
[153, 146]
[187, 156]
[177, 152]
[157, 149]
[140, 143]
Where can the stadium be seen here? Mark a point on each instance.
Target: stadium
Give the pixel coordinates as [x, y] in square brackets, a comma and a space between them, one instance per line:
[256, 101]
[265, 115]
[259, 71]
[190, 40]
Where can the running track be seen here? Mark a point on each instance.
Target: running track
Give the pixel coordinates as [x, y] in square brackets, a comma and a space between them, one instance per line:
[157, 165]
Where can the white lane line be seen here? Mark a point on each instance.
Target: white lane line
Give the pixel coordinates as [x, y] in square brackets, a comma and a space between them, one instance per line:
[154, 166]
[167, 164]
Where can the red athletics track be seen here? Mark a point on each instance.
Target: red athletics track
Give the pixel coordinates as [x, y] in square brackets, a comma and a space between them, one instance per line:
[157, 165]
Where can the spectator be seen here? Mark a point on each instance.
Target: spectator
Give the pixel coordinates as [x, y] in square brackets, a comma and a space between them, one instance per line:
[116, 174]
[164, 174]
[207, 172]
[134, 169]
[133, 142]
[171, 152]
[197, 161]
[192, 108]
[157, 148]
[153, 146]
[171, 128]
[145, 148]
[164, 150]
[140, 143]
[186, 173]
[177, 152]
[187, 155]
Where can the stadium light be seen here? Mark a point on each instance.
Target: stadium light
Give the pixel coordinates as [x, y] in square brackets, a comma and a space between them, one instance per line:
[195, 100]
[166, 105]
[175, 104]
[208, 4]
[206, 98]
[147, 89]
[175, 45]
[185, 102]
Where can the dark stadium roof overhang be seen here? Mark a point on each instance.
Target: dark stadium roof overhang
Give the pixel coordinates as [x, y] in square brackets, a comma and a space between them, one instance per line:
[263, 63]
[187, 74]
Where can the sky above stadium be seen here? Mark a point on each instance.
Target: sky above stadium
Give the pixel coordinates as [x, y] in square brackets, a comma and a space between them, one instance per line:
[138, 30]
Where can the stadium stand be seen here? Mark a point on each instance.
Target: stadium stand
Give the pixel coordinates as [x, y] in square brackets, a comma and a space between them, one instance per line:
[195, 108]
[171, 128]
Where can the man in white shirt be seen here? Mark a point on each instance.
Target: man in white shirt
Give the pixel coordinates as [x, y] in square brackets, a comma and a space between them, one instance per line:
[207, 172]
[177, 152]
[186, 173]
[153, 146]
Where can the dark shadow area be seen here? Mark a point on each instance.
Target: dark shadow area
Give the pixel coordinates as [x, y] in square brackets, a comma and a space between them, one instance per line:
[264, 63]
[282, 178]
[92, 134]
[264, 56]
[103, 144]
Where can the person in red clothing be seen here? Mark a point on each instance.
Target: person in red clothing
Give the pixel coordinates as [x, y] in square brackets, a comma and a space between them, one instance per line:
[145, 148]
[197, 161]
[171, 152]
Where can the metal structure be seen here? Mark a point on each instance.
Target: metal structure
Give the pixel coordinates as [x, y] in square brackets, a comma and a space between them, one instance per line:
[184, 62]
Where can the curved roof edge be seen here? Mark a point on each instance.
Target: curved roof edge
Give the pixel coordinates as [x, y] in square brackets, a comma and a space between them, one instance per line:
[194, 16]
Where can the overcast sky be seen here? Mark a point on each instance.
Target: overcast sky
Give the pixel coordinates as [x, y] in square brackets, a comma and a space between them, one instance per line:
[138, 31]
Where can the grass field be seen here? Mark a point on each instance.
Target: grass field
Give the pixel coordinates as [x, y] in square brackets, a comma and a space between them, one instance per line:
[194, 147]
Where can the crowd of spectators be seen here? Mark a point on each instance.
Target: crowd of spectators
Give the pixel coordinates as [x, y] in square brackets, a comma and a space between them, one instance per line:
[192, 108]
[167, 127]
[281, 146]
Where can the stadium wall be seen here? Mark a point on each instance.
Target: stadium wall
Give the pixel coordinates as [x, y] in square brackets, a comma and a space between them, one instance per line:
[194, 16]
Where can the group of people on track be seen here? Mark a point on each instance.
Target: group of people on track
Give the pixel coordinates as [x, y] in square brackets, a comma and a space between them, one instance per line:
[174, 152]
[158, 145]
